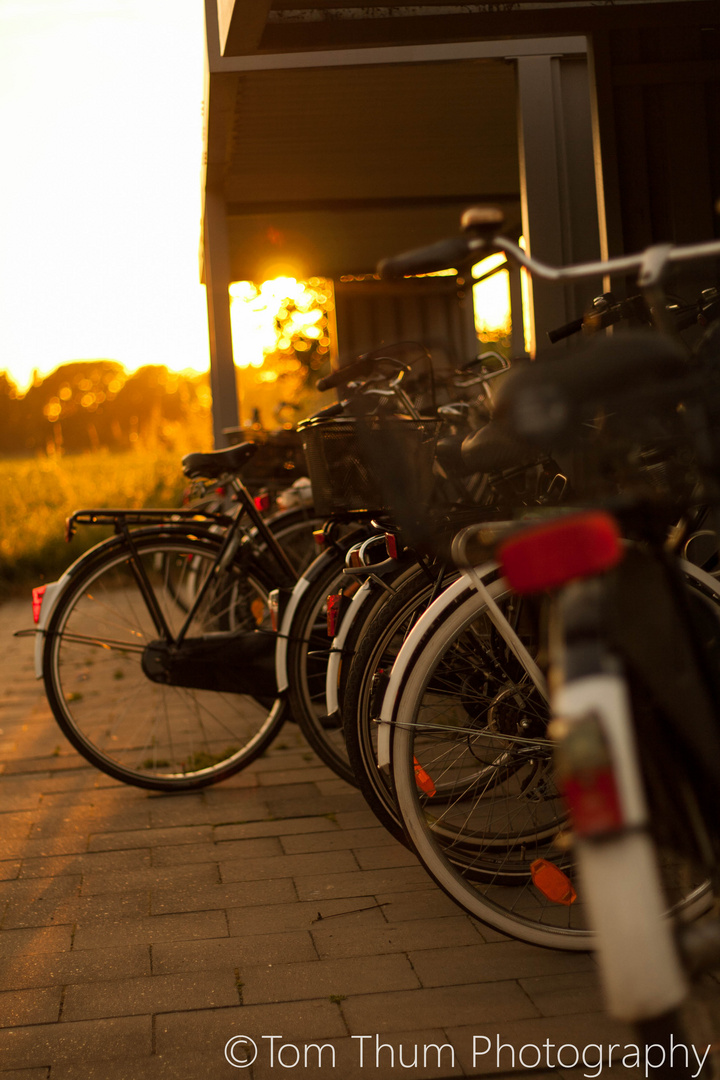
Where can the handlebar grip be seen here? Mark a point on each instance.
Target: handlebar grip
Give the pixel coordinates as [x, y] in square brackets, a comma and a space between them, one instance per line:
[357, 369]
[445, 255]
[329, 411]
[565, 331]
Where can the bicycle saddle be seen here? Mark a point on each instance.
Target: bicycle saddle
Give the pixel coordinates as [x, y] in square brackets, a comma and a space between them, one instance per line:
[218, 462]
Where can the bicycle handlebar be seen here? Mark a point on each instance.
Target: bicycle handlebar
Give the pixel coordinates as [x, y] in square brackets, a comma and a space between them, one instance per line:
[447, 254]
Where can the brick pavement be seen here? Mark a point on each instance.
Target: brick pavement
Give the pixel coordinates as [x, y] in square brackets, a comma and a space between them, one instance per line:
[140, 932]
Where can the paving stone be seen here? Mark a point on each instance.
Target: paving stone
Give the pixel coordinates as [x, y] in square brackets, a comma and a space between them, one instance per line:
[196, 1066]
[45, 847]
[287, 866]
[294, 915]
[212, 897]
[575, 992]
[36, 939]
[426, 901]
[100, 933]
[487, 962]
[184, 854]
[255, 848]
[95, 863]
[26, 1074]
[9, 869]
[362, 818]
[210, 1030]
[232, 952]
[276, 827]
[20, 1007]
[15, 826]
[376, 858]
[76, 966]
[360, 883]
[156, 993]
[148, 838]
[586, 1031]
[350, 839]
[27, 890]
[185, 810]
[46, 912]
[290, 807]
[333, 785]
[440, 1006]
[81, 1041]
[287, 776]
[333, 940]
[322, 978]
[151, 877]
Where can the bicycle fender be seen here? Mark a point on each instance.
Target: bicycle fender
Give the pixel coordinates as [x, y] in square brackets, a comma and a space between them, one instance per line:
[281, 649]
[338, 643]
[405, 658]
[52, 593]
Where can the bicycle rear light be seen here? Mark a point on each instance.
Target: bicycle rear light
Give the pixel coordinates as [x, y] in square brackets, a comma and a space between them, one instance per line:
[333, 610]
[319, 537]
[262, 501]
[37, 599]
[551, 555]
[552, 882]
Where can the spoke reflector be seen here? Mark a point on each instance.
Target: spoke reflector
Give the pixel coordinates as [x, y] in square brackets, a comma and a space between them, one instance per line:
[552, 882]
[423, 779]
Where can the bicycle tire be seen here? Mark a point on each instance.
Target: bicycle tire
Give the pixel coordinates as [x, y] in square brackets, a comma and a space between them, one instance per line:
[142, 732]
[485, 866]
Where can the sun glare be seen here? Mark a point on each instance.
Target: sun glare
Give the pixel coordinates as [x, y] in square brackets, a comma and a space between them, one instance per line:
[280, 315]
[491, 298]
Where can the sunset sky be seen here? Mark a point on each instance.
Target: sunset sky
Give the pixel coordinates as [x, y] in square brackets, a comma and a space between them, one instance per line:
[100, 112]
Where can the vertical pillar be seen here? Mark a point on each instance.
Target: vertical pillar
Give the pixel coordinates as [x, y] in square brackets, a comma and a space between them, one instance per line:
[557, 183]
[217, 280]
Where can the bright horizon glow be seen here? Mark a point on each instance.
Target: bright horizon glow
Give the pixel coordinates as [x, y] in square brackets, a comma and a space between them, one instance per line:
[101, 110]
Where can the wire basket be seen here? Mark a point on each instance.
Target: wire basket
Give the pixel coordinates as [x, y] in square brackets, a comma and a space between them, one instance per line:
[374, 465]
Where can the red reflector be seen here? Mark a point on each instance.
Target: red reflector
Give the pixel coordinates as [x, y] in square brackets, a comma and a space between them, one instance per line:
[391, 545]
[593, 801]
[319, 537]
[571, 547]
[333, 608]
[552, 882]
[220, 491]
[423, 779]
[37, 599]
[262, 502]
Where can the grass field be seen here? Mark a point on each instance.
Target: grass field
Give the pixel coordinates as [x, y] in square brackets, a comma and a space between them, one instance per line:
[36, 495]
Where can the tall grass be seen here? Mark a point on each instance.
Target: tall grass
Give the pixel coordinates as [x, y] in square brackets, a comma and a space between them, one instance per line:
[37, 495]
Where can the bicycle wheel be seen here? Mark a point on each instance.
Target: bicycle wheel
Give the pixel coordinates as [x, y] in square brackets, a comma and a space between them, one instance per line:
[475, 783]
[105, 633]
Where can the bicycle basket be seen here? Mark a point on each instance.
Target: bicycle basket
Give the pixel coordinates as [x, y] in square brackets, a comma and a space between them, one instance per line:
[376, 465]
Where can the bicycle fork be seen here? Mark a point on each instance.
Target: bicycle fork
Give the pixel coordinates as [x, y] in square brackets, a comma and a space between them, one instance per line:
[598, 767]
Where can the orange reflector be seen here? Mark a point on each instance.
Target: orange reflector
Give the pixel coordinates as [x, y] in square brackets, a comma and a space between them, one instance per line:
[391, 545]
[274, 609]
[571, 547]
[423, 779]
[552, 882]
[262, 502]
[333, 608]
[37, 599]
